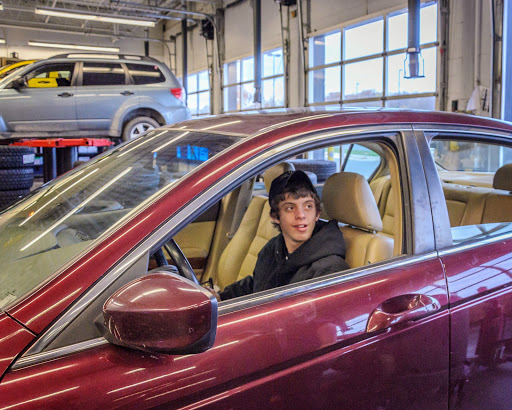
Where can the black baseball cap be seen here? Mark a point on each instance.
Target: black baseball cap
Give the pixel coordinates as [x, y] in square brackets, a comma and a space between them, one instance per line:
[289, 178]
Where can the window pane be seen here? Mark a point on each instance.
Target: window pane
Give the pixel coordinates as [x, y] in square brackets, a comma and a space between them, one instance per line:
[428, 24]
[192, 83]
[232, 98]
[397, 31]
[247, 96]
[145, 74]
[363, 79]
[192, 103]
[325, 49]
[248, 69]
[325, 84]
[423, 103]
[398, 85]
[362, 160]
[50, 75]
[204, 103]
[103, 74]
[204, 81]
[232, 72]
[273, 92]
[273, 62]
[364, 40]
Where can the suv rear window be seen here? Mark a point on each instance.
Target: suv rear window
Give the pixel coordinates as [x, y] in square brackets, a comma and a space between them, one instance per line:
[145, 74]
[103, 74]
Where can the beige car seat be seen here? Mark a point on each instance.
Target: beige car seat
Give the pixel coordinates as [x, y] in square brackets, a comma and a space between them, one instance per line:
[347, 197]
[239, 257]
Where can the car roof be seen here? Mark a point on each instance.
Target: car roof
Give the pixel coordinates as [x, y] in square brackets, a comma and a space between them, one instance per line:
[104, 56]
[253, 123]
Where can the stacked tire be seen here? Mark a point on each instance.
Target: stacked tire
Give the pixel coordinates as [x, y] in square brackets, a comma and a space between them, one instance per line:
[16, 173]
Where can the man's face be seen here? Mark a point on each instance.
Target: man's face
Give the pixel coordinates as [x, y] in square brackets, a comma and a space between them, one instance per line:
[297, 219]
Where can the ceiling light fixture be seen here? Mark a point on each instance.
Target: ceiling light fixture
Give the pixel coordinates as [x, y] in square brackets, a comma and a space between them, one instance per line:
[1, 5]
[48, 11]
[2, 41]
[73, 46]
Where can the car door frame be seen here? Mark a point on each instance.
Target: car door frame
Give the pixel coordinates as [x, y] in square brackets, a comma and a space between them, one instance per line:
[419, 247]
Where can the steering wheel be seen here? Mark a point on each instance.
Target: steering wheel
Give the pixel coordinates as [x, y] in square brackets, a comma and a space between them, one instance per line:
[181, 262]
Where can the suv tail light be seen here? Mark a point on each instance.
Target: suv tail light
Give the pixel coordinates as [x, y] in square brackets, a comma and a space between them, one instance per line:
[178, 93]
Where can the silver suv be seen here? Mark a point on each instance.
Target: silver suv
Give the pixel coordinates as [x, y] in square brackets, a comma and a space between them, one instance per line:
[90, 95]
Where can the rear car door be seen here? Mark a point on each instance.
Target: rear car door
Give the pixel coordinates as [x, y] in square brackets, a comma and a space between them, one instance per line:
[471, 194]
[46, 103]
[374, 336]
[103, 91]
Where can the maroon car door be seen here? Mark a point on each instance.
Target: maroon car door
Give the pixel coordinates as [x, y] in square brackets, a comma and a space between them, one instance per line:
[476, 252]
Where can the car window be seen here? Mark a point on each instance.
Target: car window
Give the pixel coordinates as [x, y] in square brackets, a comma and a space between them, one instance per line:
[145, 73]
[63, 218]
[50, 75]
[362, 160]
[103, 74]
[476, 177]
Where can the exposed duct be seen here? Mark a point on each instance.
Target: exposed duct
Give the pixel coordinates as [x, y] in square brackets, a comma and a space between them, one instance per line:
[414, 67]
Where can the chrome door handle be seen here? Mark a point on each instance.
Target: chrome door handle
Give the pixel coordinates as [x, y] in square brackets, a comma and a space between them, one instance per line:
[65, 95]
[401, 309]
[127, 93]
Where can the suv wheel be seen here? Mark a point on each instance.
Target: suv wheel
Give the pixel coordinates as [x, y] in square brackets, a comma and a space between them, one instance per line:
[138, 126]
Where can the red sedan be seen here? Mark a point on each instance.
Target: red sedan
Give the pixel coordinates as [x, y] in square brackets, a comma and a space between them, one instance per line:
[101, 303]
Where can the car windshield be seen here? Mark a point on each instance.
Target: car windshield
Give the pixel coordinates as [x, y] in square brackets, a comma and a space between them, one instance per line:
[49, 228]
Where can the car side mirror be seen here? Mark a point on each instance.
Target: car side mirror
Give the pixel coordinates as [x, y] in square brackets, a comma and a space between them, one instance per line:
[162, 313]
[18, 83]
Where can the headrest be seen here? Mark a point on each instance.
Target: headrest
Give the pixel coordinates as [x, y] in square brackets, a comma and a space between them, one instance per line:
[347, 197]
[503, 178]
[273, 172]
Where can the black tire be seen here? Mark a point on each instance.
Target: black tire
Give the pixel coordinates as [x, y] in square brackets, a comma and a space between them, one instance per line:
[138, 126]
[322, 168]
[9, 197]
[16, 157]
[16, 178]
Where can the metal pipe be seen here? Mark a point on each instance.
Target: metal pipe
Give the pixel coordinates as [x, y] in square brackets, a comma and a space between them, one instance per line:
[413, 44]
[257, 50]
[302, 57]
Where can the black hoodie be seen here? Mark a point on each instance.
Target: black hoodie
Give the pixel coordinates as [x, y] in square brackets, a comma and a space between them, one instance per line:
[321, 254]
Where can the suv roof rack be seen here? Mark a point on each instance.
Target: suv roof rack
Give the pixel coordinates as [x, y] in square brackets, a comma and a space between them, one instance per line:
[105, 56]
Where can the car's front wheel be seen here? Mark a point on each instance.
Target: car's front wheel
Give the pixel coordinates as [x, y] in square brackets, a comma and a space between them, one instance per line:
[138, 126]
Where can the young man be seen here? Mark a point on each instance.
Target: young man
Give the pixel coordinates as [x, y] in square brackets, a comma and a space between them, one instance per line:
[306, 247]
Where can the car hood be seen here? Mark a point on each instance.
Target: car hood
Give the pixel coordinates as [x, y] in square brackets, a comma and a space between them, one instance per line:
[13, 339]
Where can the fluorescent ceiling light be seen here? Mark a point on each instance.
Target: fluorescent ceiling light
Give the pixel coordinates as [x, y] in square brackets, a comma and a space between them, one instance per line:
[47, 11]
[1, 6]
[73, 46]
[2, 41]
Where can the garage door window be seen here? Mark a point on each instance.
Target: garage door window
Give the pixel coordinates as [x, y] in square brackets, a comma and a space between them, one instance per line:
[370, 70]
[198, 93]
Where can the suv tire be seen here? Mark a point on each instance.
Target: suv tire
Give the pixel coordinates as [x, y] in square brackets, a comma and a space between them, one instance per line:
[16, 157]
[138, 126]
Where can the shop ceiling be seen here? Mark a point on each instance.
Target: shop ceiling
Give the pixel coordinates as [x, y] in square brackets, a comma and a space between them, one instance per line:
[22, 14]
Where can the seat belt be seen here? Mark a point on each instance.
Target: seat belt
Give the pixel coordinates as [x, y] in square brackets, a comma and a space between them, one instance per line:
[242, 203]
